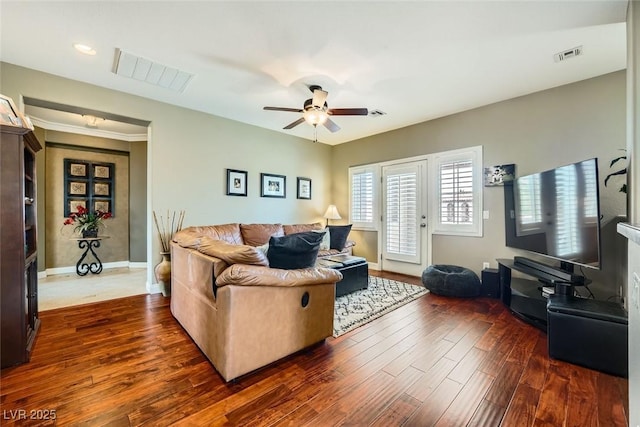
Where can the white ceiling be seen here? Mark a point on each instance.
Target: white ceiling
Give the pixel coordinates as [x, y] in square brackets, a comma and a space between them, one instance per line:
[414, 60]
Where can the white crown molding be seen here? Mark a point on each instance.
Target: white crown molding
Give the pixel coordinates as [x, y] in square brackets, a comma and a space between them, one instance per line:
[88, 131]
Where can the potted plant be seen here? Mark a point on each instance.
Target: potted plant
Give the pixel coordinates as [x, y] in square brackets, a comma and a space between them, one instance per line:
[86, 222]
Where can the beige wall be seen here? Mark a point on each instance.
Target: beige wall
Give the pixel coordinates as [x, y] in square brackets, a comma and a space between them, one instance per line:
[536, 132]
[90, 142]
[40, 206]
[60, 250]
[138, 201]
[189, 152]
[136, 184]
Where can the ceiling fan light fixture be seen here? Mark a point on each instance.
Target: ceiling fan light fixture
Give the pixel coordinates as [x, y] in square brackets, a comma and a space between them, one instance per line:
[315, 111]
[315, 117]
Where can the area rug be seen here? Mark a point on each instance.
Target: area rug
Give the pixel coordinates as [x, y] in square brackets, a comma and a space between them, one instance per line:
[383, 295]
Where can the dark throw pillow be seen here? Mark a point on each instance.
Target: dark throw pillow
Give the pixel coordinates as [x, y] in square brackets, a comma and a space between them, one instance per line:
[339, 235]
[298, 250]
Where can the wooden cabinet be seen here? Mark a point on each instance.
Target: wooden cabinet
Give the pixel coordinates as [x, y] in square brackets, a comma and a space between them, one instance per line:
[18, 244]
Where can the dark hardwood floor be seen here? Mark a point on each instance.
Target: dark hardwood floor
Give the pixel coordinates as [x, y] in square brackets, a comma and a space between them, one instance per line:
[435, 361]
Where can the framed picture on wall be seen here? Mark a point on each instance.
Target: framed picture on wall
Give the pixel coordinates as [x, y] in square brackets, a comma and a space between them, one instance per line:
[102, 171]
[101, 189]
[273, 185]
[101, 205]
[74, 204]
[236, 182]
[77, 169]
[88, 184]
[77, 188]
[304, 188]
[498, 175]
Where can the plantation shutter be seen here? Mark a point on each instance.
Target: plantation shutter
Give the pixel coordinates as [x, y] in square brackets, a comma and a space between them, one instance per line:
[457, 176]
[402, 213]
[362, 197]
[456, 192]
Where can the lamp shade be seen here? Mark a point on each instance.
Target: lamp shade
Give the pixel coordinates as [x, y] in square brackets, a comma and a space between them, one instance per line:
[332, 213]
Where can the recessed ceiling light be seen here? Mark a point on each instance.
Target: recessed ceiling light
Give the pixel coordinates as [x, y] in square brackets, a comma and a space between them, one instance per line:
[83, 48]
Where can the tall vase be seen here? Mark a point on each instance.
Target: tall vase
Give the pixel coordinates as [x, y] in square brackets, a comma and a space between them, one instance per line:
[163, 273]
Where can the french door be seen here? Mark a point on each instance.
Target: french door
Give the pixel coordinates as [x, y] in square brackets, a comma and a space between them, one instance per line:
[404, 218]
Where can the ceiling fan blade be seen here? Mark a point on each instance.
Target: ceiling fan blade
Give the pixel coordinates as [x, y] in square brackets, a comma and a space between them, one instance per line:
[348, 111]
[292, 110]
[294, 124]
[319, 97]
[331, 125]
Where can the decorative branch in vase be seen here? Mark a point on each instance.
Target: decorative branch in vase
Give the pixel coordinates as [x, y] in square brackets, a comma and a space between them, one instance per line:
[166, 228]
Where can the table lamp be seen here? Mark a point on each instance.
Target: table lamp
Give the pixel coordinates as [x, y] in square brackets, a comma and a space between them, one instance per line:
[332, 213]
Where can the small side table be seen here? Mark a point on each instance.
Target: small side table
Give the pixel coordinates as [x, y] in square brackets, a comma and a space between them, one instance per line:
[88, 244]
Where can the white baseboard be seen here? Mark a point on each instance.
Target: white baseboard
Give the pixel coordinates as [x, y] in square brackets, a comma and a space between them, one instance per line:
[374, 266]
[137, 265]
[60, 270]
[154, 288]
[117, 264]
[72, 269]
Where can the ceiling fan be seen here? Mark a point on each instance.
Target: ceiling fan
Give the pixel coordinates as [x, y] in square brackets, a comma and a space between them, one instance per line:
[316, 111]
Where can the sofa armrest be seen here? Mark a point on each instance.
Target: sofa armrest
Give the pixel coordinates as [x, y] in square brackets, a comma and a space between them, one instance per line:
[196, 270]
[254, 275]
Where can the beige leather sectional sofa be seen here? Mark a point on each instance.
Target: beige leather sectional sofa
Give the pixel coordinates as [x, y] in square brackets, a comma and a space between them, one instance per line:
[241, 313]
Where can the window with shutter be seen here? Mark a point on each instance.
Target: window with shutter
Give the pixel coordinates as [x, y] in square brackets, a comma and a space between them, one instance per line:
[363, 197]
[456, 192]
[458, 185]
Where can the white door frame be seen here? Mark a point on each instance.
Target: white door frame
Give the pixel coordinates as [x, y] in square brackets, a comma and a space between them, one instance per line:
[426, 235]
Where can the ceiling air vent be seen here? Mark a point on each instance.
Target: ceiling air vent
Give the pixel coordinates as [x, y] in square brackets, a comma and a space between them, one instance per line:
[376, 113]
[567, 54]
[136, 67]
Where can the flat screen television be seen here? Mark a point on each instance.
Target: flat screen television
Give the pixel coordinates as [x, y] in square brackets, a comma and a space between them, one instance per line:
[556, 213]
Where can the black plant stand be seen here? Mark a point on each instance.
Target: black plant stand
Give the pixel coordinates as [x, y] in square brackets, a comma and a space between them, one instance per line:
[88, 244]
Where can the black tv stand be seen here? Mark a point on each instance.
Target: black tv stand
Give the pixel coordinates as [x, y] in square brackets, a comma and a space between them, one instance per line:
[583, 331]
[524, 296]
[548, 273]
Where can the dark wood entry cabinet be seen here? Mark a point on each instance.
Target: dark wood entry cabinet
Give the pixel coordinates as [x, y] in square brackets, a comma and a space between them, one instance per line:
[18, 244]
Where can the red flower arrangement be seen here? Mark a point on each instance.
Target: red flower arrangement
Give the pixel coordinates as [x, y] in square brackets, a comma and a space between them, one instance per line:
[85, 220]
